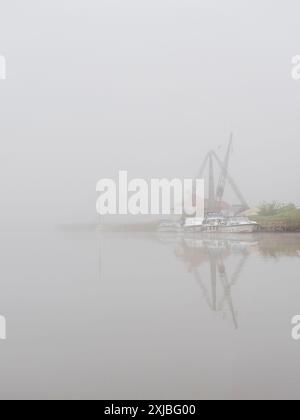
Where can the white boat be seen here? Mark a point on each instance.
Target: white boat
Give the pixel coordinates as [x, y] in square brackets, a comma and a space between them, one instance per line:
[166, 226]
[193, 222]
[217, 223]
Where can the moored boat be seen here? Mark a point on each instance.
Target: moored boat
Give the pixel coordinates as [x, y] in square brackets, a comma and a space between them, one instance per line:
[217, 223]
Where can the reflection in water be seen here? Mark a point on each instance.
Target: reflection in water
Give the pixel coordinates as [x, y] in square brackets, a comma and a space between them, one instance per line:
[151, 327]
[201, 251]
[197, 250]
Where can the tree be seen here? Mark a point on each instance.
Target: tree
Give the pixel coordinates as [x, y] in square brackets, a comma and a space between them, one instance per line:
[275, 207]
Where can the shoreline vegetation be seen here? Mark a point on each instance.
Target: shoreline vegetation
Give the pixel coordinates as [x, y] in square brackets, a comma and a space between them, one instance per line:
[271, 217]
[278, 217]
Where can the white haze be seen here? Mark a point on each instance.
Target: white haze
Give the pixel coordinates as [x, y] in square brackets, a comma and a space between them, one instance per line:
[97, 86]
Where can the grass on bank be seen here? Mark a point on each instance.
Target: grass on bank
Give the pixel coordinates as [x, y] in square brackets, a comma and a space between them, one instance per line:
[278, 217]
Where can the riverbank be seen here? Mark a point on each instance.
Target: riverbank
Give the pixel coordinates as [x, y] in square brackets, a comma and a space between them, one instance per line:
[284, 222]
[287, 221]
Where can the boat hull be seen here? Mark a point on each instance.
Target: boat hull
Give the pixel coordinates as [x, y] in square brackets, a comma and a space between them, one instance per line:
[245, 228]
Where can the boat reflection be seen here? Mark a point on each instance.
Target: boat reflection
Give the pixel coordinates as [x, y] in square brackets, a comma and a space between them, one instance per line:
[195, 252]
[199, 252]
[215, 261]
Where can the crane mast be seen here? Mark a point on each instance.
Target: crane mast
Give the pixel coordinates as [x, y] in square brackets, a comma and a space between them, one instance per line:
[216, 194]
[223, 176]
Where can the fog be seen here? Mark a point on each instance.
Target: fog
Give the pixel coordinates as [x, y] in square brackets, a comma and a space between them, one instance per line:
[97, 86]
[94, 87]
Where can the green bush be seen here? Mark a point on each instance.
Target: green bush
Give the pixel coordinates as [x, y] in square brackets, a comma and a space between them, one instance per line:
[275, 208]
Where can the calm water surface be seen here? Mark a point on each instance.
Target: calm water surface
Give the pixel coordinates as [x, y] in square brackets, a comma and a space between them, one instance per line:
[120, 315]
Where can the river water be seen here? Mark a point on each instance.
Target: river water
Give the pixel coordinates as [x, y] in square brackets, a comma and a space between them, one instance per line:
[88, 314]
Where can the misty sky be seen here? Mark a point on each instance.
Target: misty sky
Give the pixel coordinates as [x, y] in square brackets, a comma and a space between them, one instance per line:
[96, 86]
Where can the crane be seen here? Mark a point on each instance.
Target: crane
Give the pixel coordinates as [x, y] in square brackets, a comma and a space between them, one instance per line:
[215, 195]
[223, 176]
